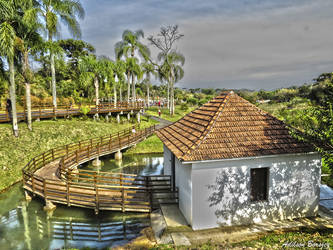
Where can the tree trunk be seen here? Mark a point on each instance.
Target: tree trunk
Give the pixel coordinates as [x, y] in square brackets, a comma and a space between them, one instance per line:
[115, 95]
[54, 88]
[148, 100]
[128, 85]
[168, 95]
[133, 88]
[172, 101]
[13, 95]
[26, 73]
[53, 81]
[96, 94]
[28, 103]
[120, 93]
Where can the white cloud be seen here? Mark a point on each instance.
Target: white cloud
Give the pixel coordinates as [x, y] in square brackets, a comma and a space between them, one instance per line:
[231, 44]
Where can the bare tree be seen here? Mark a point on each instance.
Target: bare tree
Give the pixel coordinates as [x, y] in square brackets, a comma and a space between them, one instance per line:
[164, 41]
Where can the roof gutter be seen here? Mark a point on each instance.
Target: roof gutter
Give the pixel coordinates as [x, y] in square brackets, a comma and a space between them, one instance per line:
[248, 158]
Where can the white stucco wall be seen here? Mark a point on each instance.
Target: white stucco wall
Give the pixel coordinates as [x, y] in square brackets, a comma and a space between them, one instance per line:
[221, 190]
[167, 161]
[184, 184]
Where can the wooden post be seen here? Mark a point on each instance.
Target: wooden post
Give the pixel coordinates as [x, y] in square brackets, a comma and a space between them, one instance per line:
[88, 152]
[67, 190]
[7, 115]
[123, 199]
[40, 112]
[67, 150]
[76, 157]
[44, 188]
[33, 184]
[43, 159]
[52, 154]
[96, 194]
[54, 112]
[25, 114]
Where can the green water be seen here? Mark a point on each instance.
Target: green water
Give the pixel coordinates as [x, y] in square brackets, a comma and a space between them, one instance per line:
[145, 164]
[27, 226]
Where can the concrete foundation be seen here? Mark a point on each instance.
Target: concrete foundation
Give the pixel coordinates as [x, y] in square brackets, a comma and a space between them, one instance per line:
[128, 116]
[97, 162]
[27, 196]
[118, 118]
[118, 156]
[138, 117]
[49, 206]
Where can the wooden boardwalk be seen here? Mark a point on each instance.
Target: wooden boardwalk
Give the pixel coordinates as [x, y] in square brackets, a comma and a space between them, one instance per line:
[54, 176]
[43, 112]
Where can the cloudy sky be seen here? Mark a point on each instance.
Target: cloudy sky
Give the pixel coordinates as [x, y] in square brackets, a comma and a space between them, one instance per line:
[255, 44]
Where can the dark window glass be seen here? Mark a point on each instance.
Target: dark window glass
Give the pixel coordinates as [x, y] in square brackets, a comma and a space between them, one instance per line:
[259, 184]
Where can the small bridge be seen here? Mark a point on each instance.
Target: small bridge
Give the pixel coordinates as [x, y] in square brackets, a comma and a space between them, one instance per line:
[43, 111]
[55, 177]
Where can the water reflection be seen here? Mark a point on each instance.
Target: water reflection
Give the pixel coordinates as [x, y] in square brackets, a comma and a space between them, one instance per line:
[27, 226]
[133, 164]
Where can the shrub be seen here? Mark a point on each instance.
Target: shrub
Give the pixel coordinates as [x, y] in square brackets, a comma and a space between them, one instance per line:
[184, 106]
[84, 110]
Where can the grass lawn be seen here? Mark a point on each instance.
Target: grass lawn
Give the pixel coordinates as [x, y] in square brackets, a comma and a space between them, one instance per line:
[296, 239]
[151, 145]
[179, 113]
[305, 238]
[15, 153]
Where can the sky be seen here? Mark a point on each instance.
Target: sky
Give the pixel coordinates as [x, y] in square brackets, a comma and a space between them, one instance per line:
[233, 44]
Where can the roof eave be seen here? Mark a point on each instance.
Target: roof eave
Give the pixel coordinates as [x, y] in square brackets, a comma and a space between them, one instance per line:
[248, 158]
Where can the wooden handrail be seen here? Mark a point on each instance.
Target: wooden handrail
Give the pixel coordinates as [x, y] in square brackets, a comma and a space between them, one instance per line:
[44, 111]
[127, 192]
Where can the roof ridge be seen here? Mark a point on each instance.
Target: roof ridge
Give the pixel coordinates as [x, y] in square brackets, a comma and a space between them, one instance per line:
[210, 125]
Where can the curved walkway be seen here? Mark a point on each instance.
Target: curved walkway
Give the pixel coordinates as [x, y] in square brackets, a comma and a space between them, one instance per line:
[55, 177]
[42, 112]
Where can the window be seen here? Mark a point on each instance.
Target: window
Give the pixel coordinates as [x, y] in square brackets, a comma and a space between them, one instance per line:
[259, 184]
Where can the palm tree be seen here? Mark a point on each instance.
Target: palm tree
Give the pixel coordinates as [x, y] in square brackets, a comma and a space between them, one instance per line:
[67, 11]
[91, 70]
[172, 71]
[129, 45]
[148, 70]
[8, 23]
[131, 69]
[120, 70]
[29, 41]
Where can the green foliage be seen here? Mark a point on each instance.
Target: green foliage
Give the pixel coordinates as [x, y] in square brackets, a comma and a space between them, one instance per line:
[84, 110]
[192, 101]
[184, 106]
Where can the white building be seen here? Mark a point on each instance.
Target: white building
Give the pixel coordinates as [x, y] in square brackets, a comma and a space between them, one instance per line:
[235, 164]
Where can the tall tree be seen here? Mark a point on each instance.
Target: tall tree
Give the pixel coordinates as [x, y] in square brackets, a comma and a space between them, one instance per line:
[128, 47]
[29, 41]
[8, 22]
[68, 11]
[148, 70]
[173, 72]
[165, 41]
[92, 71]
[120, 70]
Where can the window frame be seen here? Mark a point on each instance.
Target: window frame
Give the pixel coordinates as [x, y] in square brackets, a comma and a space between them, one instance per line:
[252, 200]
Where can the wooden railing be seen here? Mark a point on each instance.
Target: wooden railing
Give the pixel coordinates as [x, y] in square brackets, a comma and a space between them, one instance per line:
[45, 111]
[97, 190]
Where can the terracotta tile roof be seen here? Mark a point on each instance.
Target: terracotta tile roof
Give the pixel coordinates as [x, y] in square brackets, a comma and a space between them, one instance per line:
[229, 127]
